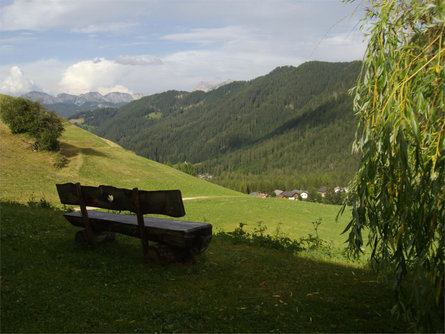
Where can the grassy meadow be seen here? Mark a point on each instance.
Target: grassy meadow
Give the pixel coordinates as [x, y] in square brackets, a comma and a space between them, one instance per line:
[50, 284]
[91, 160]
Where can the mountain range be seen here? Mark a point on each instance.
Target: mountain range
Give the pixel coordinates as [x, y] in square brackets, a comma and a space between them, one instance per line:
[292, 128]
[67, 104]
[114, 97]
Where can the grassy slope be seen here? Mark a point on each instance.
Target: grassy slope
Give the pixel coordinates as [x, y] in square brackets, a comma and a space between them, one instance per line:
[94, 161]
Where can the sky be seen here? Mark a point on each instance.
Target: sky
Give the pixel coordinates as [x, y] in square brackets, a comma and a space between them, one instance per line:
[150, 46]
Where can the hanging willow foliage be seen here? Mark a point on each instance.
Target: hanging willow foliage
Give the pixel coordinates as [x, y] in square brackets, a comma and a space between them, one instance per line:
[399, 188]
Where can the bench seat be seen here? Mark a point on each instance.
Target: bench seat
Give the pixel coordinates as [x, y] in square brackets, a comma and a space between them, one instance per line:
[175, 240]
[177, 233]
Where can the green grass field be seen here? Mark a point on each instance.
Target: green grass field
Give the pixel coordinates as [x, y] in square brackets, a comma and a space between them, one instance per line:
[50, 284]
[27, 175]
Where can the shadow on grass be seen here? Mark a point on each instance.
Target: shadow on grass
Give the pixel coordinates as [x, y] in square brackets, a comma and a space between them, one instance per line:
[49, 284]
[70, 151]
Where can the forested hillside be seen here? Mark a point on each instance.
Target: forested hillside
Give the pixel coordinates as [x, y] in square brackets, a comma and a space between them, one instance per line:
[307, 152]
[291, 128]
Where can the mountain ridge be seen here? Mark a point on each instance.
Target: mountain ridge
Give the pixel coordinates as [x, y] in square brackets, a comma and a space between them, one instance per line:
[113, 97]
[65, 104]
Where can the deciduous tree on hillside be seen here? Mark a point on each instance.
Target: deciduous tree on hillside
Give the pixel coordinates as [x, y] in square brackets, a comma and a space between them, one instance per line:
[399, 189]
[25, 116]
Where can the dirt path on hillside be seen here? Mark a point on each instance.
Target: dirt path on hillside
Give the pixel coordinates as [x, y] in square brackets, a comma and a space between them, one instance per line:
[205, 197]
[196, 197]
[109, 142]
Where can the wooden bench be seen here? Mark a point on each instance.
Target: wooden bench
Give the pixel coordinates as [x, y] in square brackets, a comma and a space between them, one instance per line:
[176, 240]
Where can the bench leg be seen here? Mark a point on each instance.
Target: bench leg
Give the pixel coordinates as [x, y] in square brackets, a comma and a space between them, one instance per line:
[82, 238]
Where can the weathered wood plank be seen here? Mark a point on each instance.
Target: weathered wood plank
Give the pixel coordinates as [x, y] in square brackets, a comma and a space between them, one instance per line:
[140, 220]
[89, 235]
[177, 233]
[166, 202]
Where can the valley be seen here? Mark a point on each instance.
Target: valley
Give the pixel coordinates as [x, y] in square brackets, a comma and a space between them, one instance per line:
[290, 129]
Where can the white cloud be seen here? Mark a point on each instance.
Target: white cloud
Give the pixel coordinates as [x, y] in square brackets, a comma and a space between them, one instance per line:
[341, 47]
[183, 70]
[169, 44]
[16, 83]
[104, 27]
[33, 15]
[79, 16]
[148, 74]
[116, 88]
[180, 70]
[98, 74]
[343, 39]
[211, 35]
[139, 60]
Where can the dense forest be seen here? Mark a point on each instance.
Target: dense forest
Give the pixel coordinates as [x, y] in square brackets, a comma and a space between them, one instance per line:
[292, 128]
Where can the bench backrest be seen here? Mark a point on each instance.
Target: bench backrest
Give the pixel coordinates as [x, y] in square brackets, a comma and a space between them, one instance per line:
[165, 202]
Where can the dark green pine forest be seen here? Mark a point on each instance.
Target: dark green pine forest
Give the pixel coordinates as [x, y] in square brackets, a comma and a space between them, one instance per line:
[290, 129]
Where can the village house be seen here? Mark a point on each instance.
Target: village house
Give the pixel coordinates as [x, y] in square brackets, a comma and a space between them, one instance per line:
[322, 191]
[341, 189]
[205, 176]
[278, 192]
[288, 194]
[259, 195]
[303, 194]
[294, 194]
